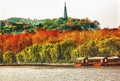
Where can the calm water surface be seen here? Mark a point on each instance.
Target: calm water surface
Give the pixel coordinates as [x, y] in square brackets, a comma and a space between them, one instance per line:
[41, 73]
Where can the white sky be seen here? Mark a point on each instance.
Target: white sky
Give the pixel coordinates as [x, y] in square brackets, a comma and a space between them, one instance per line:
[105, 11]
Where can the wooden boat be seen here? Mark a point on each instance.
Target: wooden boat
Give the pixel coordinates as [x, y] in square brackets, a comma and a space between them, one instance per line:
[80, 62]
[98, 61]
[104, 61]
[89, 62]
[113, 61]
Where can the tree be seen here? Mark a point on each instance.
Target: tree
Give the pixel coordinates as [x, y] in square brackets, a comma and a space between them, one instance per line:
[9, 57]
[109, 46]
[29, 54]
[96, 24]
[88, 49]
[1, 56]
[66, 48]
[75, 54]
[92, 48]
[83, 50]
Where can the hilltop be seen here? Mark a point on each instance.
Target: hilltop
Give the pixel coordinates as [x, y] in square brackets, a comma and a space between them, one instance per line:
[18, 25]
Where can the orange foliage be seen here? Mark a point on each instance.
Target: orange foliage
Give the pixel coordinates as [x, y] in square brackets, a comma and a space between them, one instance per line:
[16, 43]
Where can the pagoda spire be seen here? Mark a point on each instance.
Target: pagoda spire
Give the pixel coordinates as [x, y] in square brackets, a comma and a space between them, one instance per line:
[65, 11]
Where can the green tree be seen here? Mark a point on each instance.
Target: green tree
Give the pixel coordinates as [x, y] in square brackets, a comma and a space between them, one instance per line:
[29, 54]
[66, 48]
[1, 56]
[83, 50]
[9, 57]
[92, 48]
[75, 54]
[109, 46]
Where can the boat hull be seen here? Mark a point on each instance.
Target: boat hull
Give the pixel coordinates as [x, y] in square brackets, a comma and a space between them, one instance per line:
[98, 64]
[112, 64]
[78, 64]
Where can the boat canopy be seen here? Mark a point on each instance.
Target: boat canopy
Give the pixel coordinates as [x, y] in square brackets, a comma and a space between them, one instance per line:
[80, 58]
[115, 57]
[97, 58]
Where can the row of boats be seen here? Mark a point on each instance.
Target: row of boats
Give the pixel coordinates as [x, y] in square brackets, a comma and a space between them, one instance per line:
[98, 61]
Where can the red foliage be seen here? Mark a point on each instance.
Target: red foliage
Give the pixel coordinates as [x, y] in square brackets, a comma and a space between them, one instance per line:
[16, 43]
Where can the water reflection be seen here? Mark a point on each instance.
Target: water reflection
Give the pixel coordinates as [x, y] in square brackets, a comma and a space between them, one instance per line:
[41, 73]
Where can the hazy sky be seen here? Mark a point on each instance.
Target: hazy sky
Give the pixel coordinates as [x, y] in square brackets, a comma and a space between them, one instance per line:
[105, 11]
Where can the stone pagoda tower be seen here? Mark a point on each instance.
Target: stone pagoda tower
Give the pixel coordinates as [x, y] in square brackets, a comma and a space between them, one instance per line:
[65, 11]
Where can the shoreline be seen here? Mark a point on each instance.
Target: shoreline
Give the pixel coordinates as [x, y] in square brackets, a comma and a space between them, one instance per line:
[41, 64]
[51, 64]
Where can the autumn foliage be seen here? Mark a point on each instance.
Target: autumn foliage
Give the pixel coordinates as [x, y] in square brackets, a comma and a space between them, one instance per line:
[89, 43]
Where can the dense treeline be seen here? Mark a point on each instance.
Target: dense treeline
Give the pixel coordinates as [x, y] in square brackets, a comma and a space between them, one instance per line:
[56, 46]
[20, 25]
[47, 52]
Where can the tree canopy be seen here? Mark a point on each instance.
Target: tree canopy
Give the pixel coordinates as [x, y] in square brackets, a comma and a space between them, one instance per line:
[18, 25]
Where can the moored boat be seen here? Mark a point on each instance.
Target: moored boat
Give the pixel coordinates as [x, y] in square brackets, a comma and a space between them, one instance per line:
[113, 61]
[98, 61]
[80, 62]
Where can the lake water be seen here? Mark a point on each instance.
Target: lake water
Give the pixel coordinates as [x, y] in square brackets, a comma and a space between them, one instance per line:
[42, 73]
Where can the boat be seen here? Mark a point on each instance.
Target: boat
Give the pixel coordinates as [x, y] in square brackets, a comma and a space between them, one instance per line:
[99, 61]
[80, 62]
[89, 61]
[113, 61]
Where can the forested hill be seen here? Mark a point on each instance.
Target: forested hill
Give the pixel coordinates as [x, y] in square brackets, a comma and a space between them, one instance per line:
[18, 25]
[59, 40]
